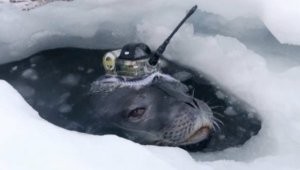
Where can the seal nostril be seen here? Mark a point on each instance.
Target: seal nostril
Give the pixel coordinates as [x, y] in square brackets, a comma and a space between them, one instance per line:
[193, 104]
[189, 104]
[196, 103]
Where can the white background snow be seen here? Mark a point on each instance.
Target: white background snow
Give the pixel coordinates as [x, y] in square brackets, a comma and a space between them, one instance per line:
[29, 142]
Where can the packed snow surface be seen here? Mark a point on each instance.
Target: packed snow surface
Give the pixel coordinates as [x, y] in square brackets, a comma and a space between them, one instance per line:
[29, 142]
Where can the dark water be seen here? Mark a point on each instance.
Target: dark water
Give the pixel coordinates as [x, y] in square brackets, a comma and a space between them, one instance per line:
[51, 81]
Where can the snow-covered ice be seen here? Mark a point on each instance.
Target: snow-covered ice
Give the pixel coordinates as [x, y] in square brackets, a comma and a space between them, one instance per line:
[29, 142]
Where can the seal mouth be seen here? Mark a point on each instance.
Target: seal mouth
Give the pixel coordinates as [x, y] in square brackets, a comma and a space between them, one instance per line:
[199, 135]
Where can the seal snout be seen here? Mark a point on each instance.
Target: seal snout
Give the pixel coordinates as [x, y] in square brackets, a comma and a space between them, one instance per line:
[202, 128]
[198, 135]
[193, 123]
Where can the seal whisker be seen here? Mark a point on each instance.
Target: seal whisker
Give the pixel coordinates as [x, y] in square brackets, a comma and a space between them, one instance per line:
[218, 121]
[193, 93]
[210, 101]
[220, 114]
[216, 107]
[216, 126]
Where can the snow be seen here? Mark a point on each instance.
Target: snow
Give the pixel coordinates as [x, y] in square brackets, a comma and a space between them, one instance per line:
[283, 24]
[29, 142]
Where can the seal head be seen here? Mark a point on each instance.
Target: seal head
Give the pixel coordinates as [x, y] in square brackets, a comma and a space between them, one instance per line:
[160, 112]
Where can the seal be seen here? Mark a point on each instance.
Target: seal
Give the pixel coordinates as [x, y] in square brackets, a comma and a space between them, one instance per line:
[160, 112]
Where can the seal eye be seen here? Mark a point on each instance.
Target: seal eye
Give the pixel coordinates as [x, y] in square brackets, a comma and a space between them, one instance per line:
[136, 113]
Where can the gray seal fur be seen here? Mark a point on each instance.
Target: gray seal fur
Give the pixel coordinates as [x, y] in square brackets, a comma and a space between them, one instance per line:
[159, 112]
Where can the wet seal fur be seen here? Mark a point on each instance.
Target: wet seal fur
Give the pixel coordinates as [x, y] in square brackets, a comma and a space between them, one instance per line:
[154, 110]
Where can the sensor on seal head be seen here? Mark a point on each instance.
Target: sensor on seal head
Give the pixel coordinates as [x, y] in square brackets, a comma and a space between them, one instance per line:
[136, 61]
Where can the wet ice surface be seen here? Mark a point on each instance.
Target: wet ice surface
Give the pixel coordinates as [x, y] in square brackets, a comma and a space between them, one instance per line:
[60, 86]
[248, 62]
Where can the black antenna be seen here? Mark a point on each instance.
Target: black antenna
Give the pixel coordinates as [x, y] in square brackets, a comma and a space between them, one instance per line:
[156, 55]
